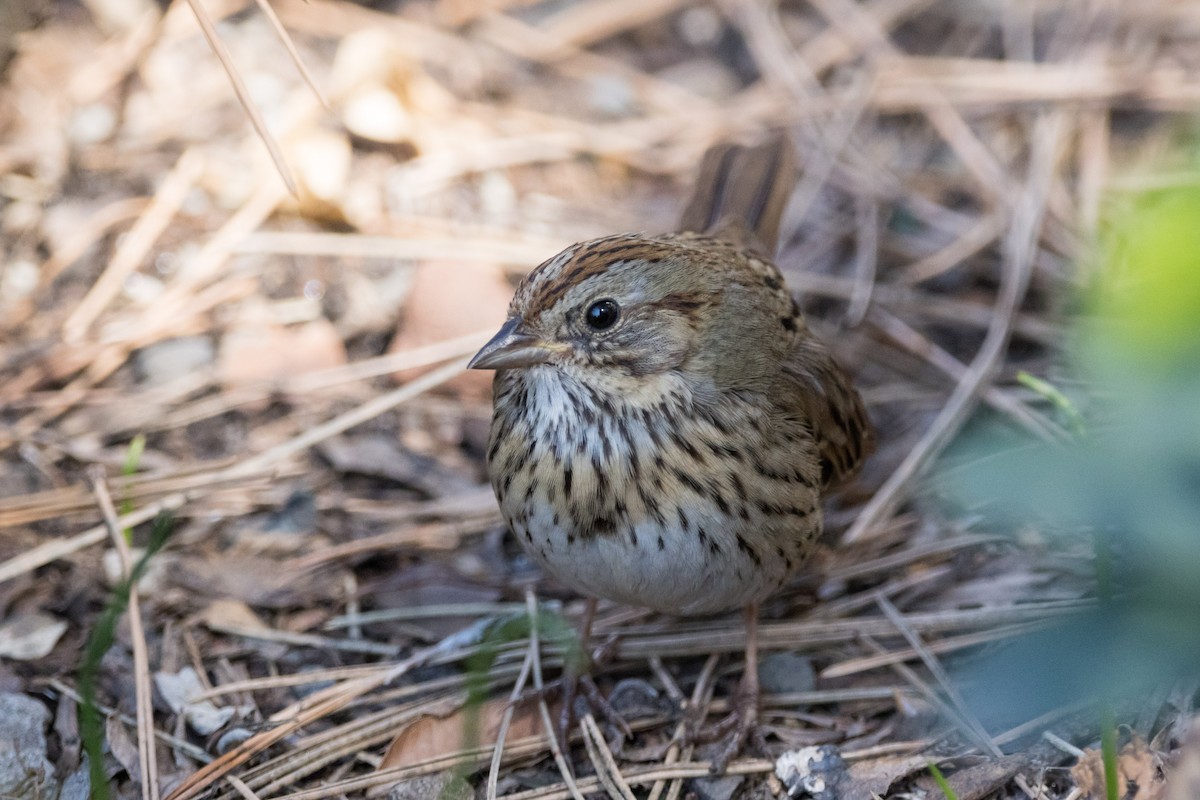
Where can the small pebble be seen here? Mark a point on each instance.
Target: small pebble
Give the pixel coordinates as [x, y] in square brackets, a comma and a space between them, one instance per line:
[780, 673]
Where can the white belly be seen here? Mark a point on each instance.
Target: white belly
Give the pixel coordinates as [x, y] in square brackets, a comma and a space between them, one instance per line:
[685, 576]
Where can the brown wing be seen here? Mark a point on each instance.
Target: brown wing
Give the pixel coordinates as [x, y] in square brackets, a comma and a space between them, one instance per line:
[827, 398]
[740, 196]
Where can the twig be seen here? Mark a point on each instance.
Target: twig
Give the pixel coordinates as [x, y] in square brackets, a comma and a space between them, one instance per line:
[951, 644]
[919, 345]
[548, 724]
[316, 706]
[935, 667]
[136, 244]
[137, 635]
[343, 422]
[1020, 245]
[602, 759]
[242, 789]
[243, 94]
[866, 253]
[505, 721]
[701, 695]
[265, 7]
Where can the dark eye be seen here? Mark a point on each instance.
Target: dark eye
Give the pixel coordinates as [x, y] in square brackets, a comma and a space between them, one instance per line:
[602, 314]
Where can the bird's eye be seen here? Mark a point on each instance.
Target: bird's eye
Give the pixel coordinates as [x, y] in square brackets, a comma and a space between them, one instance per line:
[602, 314]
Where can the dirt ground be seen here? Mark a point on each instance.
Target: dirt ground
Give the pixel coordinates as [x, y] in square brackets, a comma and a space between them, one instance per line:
[244, 300]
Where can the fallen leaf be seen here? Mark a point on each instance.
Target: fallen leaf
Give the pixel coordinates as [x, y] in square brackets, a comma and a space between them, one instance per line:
[28, 637]
[1139, 770]
[203, 716]
[448, 300]
[123, 747]
[250, 354]
[865, 779]
[226, 615]
[1183, 782]
[436, 735]
[258, 582]
[983, 780]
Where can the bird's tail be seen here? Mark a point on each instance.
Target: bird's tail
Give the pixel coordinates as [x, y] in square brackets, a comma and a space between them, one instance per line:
[741, 193]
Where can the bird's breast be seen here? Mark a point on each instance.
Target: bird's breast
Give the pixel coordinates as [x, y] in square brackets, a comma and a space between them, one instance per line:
[673, 504]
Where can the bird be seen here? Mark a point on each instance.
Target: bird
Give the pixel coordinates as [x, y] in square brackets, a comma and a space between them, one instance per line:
[665, 424]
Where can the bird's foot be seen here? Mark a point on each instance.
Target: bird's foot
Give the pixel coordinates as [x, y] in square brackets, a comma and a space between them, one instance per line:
[734, 731]
[578, 695]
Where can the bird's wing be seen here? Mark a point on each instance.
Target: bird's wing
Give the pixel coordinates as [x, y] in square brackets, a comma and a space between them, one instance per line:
[815, 386]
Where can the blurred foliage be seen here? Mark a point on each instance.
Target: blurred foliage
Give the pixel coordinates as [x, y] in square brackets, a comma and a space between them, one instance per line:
[1130, 477]
[942, 783]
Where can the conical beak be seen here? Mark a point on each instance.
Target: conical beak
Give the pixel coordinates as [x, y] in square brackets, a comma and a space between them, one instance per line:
[512, 347]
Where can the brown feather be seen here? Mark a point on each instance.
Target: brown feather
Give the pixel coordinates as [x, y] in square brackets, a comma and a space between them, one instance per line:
[741, 193]
[845, 436]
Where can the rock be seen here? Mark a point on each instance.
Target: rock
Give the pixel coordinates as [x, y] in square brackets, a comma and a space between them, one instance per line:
[297, 515]
[29, 636]
[812, 772]
[25, 771]
[634, 697]
[716, 788]
[78, 783]
[165, 361]
[611, 95]
[781, 673]
[445, 785]
[706, 77]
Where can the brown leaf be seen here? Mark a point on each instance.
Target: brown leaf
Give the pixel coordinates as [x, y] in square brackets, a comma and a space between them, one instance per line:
[866, 779]
[269, 352]
[123, 747]
[982, 780]
[433, 736]
[259, 582]
[448, 300]
[1139, 770]
[226, 614]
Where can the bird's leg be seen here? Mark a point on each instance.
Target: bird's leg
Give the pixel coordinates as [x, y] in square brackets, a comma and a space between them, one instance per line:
[577, 679]
[742, 721]
[572, 670]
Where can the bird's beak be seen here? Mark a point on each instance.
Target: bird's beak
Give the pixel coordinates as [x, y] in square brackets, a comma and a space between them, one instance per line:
[511, 347]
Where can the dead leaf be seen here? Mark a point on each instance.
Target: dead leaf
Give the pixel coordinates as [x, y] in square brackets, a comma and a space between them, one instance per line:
[385, 95]
[433, 736]
[203, 716]
[123, 747]
[1183, 782]
[231, 615]
[250, 354]
[982, 780]
[1139, 770]
[866, 779]
[258, 582]
[28, 637]
[448, 300]
[321, 160]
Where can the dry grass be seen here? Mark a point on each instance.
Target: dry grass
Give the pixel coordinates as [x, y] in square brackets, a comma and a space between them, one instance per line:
[334, 529]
